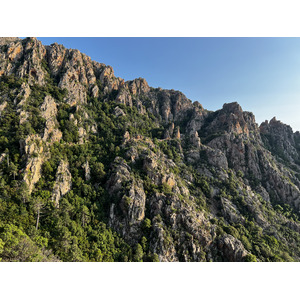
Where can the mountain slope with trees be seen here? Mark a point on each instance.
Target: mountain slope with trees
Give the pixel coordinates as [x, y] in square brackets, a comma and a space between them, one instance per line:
[93, 168]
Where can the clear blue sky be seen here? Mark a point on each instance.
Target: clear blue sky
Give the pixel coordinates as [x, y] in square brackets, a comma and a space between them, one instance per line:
[262, 74]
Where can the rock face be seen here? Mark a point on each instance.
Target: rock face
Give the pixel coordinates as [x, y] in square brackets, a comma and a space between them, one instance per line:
[163, 174]
[87, 171]
[280, 139]
[35, 146]
[2, 106]
[132, 202]
[24, 57]
[49, 112]
[138, 86]
[33, 149]
[127, 214]
[63, 182]
[119, 112]
[7, 40]
[233, 249]
[2, 157]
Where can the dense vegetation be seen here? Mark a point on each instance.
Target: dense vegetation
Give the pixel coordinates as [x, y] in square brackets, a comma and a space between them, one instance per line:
[77, 231]
[171, 197]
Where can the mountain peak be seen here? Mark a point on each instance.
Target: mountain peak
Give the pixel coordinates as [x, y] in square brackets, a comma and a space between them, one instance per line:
[93, 168]
[8, 40]
[232, 107]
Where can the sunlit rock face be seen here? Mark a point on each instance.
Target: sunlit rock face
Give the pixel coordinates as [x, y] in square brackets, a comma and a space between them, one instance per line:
[162, 173]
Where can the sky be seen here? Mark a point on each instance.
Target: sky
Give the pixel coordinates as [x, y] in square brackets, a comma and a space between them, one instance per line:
[261, 74]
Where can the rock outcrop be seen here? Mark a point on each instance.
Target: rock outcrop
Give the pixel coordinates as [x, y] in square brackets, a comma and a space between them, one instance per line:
[2, 107]
[232, 249]
[171, 180]
[34, 151]
[63, 182]
[49, 112]
[280, 139]
[87, 170]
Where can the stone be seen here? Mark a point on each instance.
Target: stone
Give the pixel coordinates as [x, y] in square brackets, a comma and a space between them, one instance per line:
[87, 170]
[2, 157]
[63, 182]
[2, 107]
[177, 133]
[138, 86]
[33, 148]
[118, 112]
[82, 134]
[195, 139]
[49, 112]
[8, 40]
[124, 97]
[233, 250]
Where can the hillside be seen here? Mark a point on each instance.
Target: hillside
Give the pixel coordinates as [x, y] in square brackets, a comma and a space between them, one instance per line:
[95, 168]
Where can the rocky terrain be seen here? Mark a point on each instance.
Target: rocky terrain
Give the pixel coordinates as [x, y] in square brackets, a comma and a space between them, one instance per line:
[95, 168]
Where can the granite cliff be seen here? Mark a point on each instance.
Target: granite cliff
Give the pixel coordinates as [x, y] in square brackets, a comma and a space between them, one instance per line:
[95, 168]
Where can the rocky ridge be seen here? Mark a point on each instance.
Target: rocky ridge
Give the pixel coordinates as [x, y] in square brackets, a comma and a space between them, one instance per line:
[195, 185]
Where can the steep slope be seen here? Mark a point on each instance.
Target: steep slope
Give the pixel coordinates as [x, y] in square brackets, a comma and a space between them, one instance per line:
[94, 168]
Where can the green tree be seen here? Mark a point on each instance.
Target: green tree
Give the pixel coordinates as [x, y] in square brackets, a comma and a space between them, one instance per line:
[146, 226]
[39, 204]
[139, 253]
[85, 215]
[144, 243]
[98, 172]
[17, 246]
[250, 258]
[24, 192]
[13, 170]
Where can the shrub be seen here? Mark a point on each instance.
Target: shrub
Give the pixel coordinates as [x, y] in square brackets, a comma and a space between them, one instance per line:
[250, 258]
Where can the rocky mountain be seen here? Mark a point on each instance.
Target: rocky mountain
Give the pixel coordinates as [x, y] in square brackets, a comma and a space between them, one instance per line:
[95, 168]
